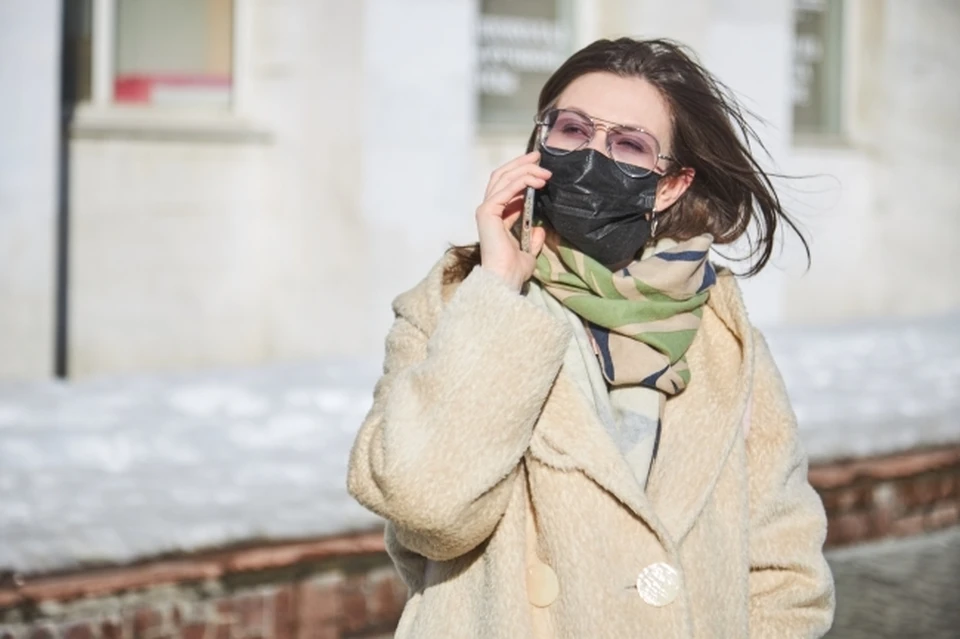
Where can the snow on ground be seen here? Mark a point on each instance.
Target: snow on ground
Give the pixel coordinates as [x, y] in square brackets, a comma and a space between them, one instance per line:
[112, 470]
[116, 469]
[872, 389]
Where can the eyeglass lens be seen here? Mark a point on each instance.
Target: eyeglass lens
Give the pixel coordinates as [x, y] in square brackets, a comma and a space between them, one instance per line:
[635, 152]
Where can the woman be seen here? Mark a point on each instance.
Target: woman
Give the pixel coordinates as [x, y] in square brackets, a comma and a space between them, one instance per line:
[589, 439]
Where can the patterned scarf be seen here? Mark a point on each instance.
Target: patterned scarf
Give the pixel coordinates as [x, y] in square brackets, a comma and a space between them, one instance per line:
[643, 318]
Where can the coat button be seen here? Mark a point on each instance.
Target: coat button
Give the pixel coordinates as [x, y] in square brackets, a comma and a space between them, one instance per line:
[658, 584]
[543, 587]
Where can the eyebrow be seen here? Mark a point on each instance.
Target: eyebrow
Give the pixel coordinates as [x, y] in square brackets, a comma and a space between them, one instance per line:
[658, 136]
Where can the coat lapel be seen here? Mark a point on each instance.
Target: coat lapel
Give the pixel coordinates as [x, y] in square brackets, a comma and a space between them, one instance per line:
[700, 426]
[569, 436]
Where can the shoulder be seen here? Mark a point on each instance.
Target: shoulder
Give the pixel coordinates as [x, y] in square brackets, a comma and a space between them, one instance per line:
[725, 346]
[422, 304]
[726, 312]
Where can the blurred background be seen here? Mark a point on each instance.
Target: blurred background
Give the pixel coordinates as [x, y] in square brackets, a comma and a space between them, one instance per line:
[206, 207]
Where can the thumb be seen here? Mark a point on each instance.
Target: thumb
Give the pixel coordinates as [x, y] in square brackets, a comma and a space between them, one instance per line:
[537, 236]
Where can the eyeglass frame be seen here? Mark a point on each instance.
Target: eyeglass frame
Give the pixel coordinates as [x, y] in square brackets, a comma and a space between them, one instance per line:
[598, 124]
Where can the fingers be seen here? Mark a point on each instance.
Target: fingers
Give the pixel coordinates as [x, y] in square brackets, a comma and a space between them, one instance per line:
[503, 196]
[529, 159]
[516, 173]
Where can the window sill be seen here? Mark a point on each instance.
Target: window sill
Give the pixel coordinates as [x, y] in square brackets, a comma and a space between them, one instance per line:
[830, 141]
[152, 124]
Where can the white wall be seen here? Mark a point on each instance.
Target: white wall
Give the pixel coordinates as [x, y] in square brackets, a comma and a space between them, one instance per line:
[418, 135]
[886, 224]
[29, 113]
[192, 253]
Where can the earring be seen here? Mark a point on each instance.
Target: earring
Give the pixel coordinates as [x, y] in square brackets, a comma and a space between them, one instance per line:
[654, 218]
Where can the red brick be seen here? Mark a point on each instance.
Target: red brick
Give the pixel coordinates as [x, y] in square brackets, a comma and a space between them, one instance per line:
[321, 631]
[831, 476]
[176, 616]
[920, 491]
[852, 498]
[111, 629]
[284, 619]
[908, 526]
[249, 615]
[146, 620]
[318, 604]
[848, 528]
[829, 499]
[384, 600]
[78, 631]
[948, 486]
[886, 507]
[943, 515]
[193, 631]
[905, 465]
[354, 605]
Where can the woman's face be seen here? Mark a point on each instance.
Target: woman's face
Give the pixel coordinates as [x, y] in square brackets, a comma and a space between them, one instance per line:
[632, 102]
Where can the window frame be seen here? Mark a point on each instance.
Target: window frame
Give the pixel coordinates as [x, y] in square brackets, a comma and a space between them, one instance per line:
[102, 116]
[843, 75]
[569, 12]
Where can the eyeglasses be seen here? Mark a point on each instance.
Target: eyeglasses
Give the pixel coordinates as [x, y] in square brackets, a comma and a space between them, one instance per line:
[635, 151]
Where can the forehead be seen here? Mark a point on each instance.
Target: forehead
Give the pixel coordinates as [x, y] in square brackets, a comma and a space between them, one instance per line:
[631, 101]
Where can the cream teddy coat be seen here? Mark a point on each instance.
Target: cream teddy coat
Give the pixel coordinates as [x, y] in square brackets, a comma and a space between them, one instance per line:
[511, 514]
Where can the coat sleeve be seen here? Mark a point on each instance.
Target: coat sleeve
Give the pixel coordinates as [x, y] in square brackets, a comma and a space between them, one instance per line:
[453, 414]
[791, 586]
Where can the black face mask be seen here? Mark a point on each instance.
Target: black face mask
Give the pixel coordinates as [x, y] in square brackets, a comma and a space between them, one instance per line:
[595, 206]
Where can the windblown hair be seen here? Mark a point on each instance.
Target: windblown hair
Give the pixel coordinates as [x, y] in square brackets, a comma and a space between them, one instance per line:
[730, 192]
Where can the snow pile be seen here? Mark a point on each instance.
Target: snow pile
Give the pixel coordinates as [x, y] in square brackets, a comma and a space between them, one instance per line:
[873, 389]
[118, 469]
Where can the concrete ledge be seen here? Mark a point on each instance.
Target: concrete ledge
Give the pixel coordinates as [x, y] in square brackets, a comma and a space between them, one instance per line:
[92, 582]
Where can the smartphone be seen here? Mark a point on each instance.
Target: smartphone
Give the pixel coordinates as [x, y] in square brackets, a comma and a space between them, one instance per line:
[526, 220]
[529, 198]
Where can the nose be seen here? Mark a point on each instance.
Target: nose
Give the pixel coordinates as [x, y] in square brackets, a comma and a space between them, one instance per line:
[599, 141]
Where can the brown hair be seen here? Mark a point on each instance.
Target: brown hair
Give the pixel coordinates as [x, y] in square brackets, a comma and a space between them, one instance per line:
[729, 192]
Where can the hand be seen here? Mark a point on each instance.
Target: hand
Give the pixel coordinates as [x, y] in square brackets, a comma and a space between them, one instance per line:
[502, 205]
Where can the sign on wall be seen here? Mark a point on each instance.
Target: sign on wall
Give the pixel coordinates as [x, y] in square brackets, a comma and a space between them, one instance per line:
[521, 43]
[817, 66]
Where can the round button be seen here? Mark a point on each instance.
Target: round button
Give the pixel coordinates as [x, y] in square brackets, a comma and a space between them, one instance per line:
[658, 584]
[543, 587]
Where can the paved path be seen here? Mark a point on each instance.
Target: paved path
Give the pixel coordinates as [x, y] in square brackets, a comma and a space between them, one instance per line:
[901, 589]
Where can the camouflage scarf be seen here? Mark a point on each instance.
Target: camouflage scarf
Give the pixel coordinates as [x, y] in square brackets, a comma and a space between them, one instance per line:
[643, 318]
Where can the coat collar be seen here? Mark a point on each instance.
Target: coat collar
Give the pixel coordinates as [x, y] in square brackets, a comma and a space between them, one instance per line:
[700, 425]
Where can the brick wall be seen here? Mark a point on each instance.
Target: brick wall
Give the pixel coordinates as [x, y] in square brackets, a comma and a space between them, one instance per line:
[345, 588]
[342, 588]
[892, 496]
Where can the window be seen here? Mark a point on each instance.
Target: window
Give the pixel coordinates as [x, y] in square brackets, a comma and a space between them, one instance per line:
[817, 67]
[521, 43]
[162, 53]
[79, 23]
[174, 52]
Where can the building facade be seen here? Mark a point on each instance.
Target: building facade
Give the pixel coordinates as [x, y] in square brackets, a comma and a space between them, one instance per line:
[252, 181]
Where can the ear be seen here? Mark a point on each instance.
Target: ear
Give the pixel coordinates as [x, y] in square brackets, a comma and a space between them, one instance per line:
[672, 187]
